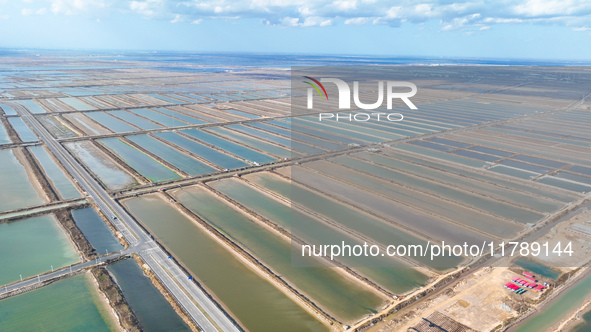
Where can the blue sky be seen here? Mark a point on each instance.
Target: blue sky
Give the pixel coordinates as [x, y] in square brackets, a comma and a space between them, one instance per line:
[537, 29]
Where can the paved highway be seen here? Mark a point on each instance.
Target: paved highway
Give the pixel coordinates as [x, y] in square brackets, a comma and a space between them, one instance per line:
[198, 305]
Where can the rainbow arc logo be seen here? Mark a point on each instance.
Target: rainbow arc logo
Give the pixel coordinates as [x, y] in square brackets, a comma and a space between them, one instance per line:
[316, 87]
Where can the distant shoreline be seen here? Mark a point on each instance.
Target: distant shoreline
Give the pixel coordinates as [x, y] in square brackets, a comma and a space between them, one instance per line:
[284, 60]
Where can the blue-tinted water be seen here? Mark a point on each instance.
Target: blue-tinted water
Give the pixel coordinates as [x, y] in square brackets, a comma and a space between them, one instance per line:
[77, 104]
[171, 155]
[8, 110]
[138, 160]
[165, 120]
[96, 231]
[180, 116]
[168, 99]
[233, 148]
[56, 175]
[23, 131]
[244, 114]
[203, 151]
[110, 122]
[31, 105]
[152, 310]
[135, 120]
[250, 141]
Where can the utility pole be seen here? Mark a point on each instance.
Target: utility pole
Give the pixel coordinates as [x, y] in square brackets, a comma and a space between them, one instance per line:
[21, 277]
[51, 268]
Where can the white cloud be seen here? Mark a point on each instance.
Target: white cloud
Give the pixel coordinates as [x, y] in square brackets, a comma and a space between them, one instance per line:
[143, 8]
[358, 20]
[468, 15]
[345, 5]
[307, 22]
[29, 11]
[502, 20]
[177, 19]
[533, 8]
[77, 7]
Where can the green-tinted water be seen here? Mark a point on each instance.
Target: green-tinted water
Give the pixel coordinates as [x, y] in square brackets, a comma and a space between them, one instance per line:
[585, 326]
[30, 246]
[4, 139]
[263, 146]
[326, 286]
[390, 273]
[17, 190]
[149, 305]
[255, 302]
[570, 300]
[236, 149]
[72, 304]
[182, 161]
[537, 268]
[203, 151]
[141, 162]
[349, 217]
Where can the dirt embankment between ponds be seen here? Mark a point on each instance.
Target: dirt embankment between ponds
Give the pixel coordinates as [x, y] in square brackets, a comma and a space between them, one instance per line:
[106, 284]
[120, 162]
[39, 174]
[10, 131]
[259, 267]
[84, 247]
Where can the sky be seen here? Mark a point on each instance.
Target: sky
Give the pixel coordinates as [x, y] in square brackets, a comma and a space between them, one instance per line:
[532, 29]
